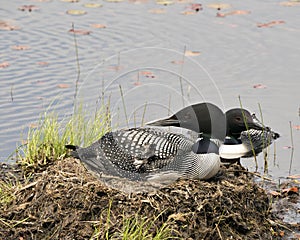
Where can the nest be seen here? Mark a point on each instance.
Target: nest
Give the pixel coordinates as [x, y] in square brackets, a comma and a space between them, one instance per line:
[64, 201]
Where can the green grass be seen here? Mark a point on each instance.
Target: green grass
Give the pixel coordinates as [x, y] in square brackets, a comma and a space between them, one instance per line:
[6, 193]
[136, 227]
[47, 141]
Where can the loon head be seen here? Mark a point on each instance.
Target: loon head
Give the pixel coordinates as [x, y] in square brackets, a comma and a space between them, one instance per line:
[239, 120]
[205, 118]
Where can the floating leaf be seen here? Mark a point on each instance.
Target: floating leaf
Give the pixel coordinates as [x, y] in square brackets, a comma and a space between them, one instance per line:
[157, 11]
[92, 5]
[184, 1]
[188, 12]
[116, 67]
[290, 4]
[42, 63]
[20, 47]
[191, 53]
[196, 7]
[270, 24]
[7, 26]
[297, 127]
[4, 65]
[137, 83]
[115, 1]
[164, 2]
[97, 25]
[80, 31]
[28, 8]
[287, 147]
[236, 12]
[294, 176]
[177, 62]
[147, 74]
[76, 12]
[71, 1]
[219, 6]
[63, 85]
[260, 86]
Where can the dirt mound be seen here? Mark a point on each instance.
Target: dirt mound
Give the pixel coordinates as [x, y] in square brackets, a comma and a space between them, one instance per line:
[66, 202]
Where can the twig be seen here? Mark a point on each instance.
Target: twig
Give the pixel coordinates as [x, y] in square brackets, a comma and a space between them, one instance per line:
[218, 230]
[77, 62]
[11, 92]
[292, 143]
[180, 76]
[266, 164]
[144, 113]
[124, 107]
[253, 173]
[247, 127]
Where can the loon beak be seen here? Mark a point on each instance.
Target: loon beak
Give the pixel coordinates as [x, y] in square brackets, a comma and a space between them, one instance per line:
[256, 126]
[171, 121]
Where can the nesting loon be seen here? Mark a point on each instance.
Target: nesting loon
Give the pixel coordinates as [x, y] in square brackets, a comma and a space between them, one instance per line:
[242, 130]
[149, 156]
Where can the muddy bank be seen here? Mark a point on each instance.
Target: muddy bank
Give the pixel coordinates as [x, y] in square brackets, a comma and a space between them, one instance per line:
[64, 201]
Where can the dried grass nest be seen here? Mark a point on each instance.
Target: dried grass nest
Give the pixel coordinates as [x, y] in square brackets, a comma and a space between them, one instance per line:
[65, 201]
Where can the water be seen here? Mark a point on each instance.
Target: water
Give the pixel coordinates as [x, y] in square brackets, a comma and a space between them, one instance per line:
[141, 51]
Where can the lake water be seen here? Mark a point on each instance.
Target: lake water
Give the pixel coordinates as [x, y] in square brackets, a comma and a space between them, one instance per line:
[141, 49]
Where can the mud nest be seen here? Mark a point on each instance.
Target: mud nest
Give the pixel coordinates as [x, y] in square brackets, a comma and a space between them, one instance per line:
[64, 201]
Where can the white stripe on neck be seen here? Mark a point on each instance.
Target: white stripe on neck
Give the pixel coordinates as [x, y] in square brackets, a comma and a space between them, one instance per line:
[233, 151]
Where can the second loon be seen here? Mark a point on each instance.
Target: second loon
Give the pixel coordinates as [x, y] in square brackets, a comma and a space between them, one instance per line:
[245, 135]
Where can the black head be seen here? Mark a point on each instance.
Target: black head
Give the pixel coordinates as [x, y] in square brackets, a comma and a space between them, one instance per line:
[204, 146]
[205, 118]
[239, 120]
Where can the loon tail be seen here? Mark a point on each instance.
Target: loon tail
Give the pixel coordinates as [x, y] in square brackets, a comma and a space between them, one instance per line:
[74, 152]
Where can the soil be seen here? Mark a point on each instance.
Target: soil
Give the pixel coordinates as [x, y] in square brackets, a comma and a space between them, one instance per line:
[65, 201]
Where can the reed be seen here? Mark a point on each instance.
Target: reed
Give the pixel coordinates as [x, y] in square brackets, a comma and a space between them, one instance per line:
[47, 141]
[247, 127]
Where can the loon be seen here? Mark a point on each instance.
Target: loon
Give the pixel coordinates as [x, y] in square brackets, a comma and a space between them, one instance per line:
[149, 156]
[250, 141]
[239, 132]
[205, 118]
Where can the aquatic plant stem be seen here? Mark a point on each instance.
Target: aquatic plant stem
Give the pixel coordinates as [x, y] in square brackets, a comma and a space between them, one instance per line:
[77, 62]
[144, 113]
[247, 127]
[263, 140]
[180, 76]
[124, 106]
[11, 92]
[292, 143]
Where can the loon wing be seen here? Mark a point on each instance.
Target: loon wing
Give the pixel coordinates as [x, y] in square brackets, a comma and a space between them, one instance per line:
[136, 150]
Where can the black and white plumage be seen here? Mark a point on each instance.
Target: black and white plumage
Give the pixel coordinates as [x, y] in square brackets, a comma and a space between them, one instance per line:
[149, 156]
[248, 133]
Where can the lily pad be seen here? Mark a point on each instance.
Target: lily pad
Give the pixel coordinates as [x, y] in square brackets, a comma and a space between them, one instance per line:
[20, 47]
[98, 25]
[92, 5]
[115, 1]
[290, 4]
[76, 12]
[71, 1]
[219, 5]
[164, 2]
[157, 11]
[191, 53]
